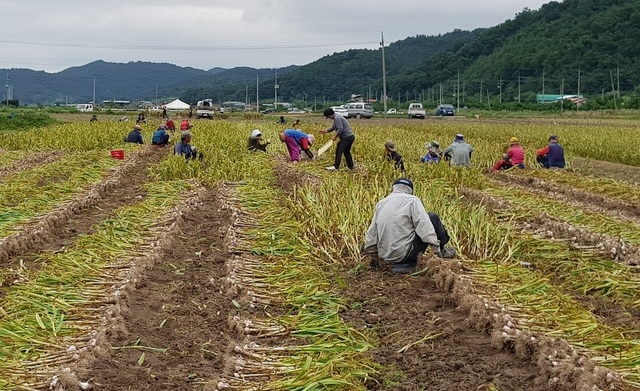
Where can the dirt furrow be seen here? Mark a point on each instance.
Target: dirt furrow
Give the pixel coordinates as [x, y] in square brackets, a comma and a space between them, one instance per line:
[603, 204]
[579, 239]
[179, 308]
[30, 161]
[60, 227]
[548, 227]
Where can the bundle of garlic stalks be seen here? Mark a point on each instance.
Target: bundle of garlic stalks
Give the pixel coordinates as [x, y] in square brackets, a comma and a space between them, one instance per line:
[291, 334]
[53, 317]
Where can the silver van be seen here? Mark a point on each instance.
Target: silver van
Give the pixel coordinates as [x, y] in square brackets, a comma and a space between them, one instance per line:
[359, 110]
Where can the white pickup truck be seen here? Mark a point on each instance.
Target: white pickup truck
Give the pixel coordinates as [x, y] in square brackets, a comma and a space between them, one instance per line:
[204, 109]
[416, 111]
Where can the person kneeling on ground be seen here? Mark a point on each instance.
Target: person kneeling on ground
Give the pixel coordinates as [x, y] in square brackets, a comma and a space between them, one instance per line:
[135, 136]
[392, 155]
[185, 148]
[434, 155]
[160, 136]
[185, 125]
[401, 230]
[256, 143]
[513, 157]
[551, 156]
[295, 140]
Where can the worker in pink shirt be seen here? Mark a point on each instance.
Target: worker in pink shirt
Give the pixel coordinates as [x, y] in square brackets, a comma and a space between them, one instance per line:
[513, 157]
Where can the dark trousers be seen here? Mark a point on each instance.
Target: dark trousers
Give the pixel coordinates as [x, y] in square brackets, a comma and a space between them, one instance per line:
[543, 161]
[344, 147]
[164, 141]
[418, 247]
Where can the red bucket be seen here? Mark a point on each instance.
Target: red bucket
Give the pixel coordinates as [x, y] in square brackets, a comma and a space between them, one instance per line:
[117, 154]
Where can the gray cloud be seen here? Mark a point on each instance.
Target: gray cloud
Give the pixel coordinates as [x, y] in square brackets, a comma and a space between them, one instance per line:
[52, 36]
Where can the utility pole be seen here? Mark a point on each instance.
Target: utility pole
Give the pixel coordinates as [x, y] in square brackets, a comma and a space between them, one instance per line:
[618, 75]
[458, 91]
[8, 87]
[156, 93]
[275, 99]
[480, 91]
[578, 102]
[94, 90]
[562, 96]
[542, 81]
[257, 93]
[246, 94]
[384, 76]
[615, 103]
[440, 98]
[500, 87]
[518, 86]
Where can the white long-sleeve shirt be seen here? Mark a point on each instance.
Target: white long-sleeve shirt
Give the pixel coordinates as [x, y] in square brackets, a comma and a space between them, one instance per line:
[396, 221]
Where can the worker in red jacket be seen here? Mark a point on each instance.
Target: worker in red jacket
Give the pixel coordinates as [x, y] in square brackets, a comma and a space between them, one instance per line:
[170, 125]
[513, 157]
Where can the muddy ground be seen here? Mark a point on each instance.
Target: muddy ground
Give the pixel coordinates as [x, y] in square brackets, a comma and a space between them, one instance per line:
[403, 310]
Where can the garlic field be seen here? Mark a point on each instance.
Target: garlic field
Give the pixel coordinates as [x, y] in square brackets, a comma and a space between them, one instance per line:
[244, 271]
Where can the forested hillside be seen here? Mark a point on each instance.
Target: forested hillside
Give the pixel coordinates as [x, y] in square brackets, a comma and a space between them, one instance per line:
[586, 40]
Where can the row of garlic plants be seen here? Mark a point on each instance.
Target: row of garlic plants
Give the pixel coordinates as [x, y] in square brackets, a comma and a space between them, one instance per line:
[493, 244]
[27, 194]
[325, 352]
[336, 214]
[48, 307]
[611, 188]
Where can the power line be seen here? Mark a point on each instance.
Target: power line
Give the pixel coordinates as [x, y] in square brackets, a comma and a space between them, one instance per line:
[185, 47]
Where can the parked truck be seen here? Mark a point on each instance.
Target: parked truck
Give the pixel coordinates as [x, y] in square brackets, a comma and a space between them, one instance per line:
[416, 111]
[204, 109]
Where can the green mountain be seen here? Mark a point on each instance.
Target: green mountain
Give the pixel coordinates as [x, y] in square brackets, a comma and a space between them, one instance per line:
[561, 43]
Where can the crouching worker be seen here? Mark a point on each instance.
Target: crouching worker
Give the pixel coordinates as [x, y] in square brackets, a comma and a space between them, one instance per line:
[295, 141]
[135, 136]
[185, 148]
[513, 157]
[256, 143]
[160, 137]
[434, 155]
[401, 230]
[392, 155]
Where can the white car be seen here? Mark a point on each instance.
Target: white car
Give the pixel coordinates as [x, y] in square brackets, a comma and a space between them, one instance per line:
[340, 110]
[392, 111]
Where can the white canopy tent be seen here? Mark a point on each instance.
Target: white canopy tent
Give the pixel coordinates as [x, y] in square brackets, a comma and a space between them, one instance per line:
[177, 105]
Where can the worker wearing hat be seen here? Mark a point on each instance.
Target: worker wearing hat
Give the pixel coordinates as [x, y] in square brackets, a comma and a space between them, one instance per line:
[401, 230]
[459, 152]
[185, 148]
[434, 155]
[135, 136]
[392, 155]
[551, 156]
[513, 158]
[256, 142]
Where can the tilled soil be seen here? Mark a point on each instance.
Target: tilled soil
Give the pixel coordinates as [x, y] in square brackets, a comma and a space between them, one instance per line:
[83, 222]
[29, 162]
[179, 305]
[403, 310]
[604, 169]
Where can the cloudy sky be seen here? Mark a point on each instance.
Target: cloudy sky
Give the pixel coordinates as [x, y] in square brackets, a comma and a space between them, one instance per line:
[54, 35]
